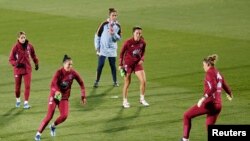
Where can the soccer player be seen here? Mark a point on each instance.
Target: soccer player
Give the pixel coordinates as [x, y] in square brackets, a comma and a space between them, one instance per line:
[106, 37]
[19, 58]
[210, 102]
[59, 95]
[131, 60]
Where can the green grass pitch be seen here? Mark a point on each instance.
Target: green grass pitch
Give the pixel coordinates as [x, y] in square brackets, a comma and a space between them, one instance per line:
[178, 34]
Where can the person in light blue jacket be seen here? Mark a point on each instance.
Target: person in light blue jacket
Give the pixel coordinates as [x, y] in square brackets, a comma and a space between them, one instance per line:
[106, 37]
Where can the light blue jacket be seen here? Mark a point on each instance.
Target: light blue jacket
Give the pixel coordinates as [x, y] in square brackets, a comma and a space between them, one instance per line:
[106, 43]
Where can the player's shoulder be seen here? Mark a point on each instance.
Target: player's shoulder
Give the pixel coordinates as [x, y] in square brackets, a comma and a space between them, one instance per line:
[31, 45]
[103, 23]
[130, 40]
[142, 40]
[59, 70]
[212, 72]
[74, 72]
[16, 45]
[118, 24]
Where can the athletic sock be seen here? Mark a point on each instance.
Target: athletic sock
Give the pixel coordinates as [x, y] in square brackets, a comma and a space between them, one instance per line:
[38, 133]
[25, 102]
[18, 99]
[141, 97]
[125, 100]
[184, 139]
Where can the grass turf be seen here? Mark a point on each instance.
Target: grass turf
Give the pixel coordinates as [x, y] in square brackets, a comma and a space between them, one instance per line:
[178, 34]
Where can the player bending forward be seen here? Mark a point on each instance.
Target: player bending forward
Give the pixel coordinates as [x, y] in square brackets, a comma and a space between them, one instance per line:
[59, 96]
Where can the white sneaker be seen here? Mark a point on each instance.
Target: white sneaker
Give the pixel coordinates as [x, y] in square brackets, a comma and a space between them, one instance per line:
[183, 139]
[144, 102]
[26, 106]
[52, 130]
[125, 105]
[37, 137]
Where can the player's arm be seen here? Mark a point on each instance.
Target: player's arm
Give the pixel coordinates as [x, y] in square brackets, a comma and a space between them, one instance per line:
[54, 86]
[227, 89]
[210, 85]
[117, 36]
[34, 57]
[12, 57]
[97, 38]
[209, 89]
[122, 54]
[81, 84]
[142, 54]
[54, 83]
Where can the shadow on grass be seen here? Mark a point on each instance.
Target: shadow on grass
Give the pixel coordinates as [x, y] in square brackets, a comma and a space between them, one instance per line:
[10, 136]
[12, 83]
[10, 115]
[33, 80]
[95, 99]
[123, 122]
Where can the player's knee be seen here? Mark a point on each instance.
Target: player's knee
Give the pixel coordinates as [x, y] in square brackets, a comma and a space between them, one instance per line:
[143, 83]
[186, 115]
[48, 118]
[113, 67]
[127, 83]
[17, 91]
[27, 87]
[64, 117]
[18, 88]
[100, 67]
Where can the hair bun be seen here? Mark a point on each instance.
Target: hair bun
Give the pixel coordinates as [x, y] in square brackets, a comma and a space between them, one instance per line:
[214, 57]
[111, 10]
[66, 57]
[211, 59]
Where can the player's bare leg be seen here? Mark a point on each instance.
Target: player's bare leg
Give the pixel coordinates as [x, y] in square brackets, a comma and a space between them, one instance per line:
[127, 80]
[142, 78]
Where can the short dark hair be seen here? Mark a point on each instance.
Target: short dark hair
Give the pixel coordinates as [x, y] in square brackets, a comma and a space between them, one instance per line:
[136, 28]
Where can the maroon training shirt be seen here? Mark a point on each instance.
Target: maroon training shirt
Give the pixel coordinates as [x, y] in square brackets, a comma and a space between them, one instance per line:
[132, 52]
[22, 55]
[213, 85]
[63, 80]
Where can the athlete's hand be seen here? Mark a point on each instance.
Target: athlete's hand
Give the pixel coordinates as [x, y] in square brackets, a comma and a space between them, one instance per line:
[201, 101]
[230, 98]
[120, 67]
[84, 100]
[98, 52]
[36, 67]
[111, 29]
[20, 65]
[140, 62]
[58, 96]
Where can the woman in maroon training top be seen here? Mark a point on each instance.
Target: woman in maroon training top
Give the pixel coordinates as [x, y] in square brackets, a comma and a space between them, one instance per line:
[20, 60]
[59, 95]
[210, 103]
[131, 60]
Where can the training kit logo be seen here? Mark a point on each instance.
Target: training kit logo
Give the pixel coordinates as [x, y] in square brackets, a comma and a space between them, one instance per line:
[228, 132]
